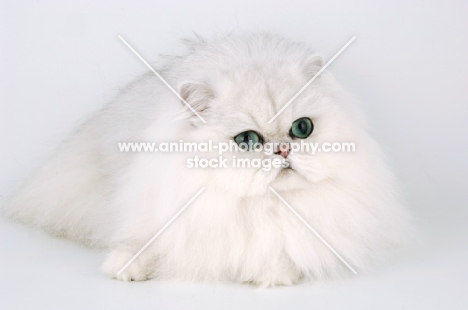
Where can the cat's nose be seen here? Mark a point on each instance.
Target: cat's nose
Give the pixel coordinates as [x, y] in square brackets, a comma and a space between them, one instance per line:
[283, 150]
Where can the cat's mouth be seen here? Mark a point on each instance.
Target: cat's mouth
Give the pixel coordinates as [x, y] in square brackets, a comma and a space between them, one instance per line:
[284, 178]
[286, 171]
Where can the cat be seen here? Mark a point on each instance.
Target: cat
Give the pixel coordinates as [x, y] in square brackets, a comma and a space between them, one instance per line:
[237, 229]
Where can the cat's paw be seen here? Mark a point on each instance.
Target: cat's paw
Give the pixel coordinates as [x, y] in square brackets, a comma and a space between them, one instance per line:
[140, 269]
[278, 277]
[284, 280]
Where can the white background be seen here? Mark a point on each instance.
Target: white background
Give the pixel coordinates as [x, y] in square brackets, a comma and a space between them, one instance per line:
[62, 60]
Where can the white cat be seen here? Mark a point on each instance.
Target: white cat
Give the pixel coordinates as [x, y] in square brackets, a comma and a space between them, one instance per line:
[237, 229]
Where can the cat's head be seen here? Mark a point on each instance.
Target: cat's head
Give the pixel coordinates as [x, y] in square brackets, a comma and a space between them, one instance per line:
[240, 90]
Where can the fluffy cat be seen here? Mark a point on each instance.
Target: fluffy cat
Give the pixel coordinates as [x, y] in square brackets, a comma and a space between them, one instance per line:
[237, 229]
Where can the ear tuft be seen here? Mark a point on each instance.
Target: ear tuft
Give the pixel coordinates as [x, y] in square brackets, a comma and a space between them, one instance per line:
[313, 65]
[197, 95]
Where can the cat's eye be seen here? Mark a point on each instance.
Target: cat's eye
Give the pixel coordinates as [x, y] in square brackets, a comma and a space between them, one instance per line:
[249, 138]
[301, 128]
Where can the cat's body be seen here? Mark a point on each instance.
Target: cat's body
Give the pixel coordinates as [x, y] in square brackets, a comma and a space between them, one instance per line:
[237, 229]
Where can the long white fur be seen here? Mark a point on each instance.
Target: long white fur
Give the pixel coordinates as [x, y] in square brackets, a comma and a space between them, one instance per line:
[237, 230]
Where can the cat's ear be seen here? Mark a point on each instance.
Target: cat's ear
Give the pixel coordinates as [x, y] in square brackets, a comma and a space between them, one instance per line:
[313, 65]
[197, 95]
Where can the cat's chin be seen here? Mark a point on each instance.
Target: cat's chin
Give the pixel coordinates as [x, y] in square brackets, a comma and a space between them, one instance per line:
[289, 179]
[285, 173]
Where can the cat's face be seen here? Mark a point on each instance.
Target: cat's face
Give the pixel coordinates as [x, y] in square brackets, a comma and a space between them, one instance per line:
[240, 107]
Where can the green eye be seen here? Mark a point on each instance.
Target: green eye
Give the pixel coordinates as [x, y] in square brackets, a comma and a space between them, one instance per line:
[301, 128]
[249, 138]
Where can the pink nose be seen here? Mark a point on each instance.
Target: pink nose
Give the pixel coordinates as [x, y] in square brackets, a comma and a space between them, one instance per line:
[283, 150]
